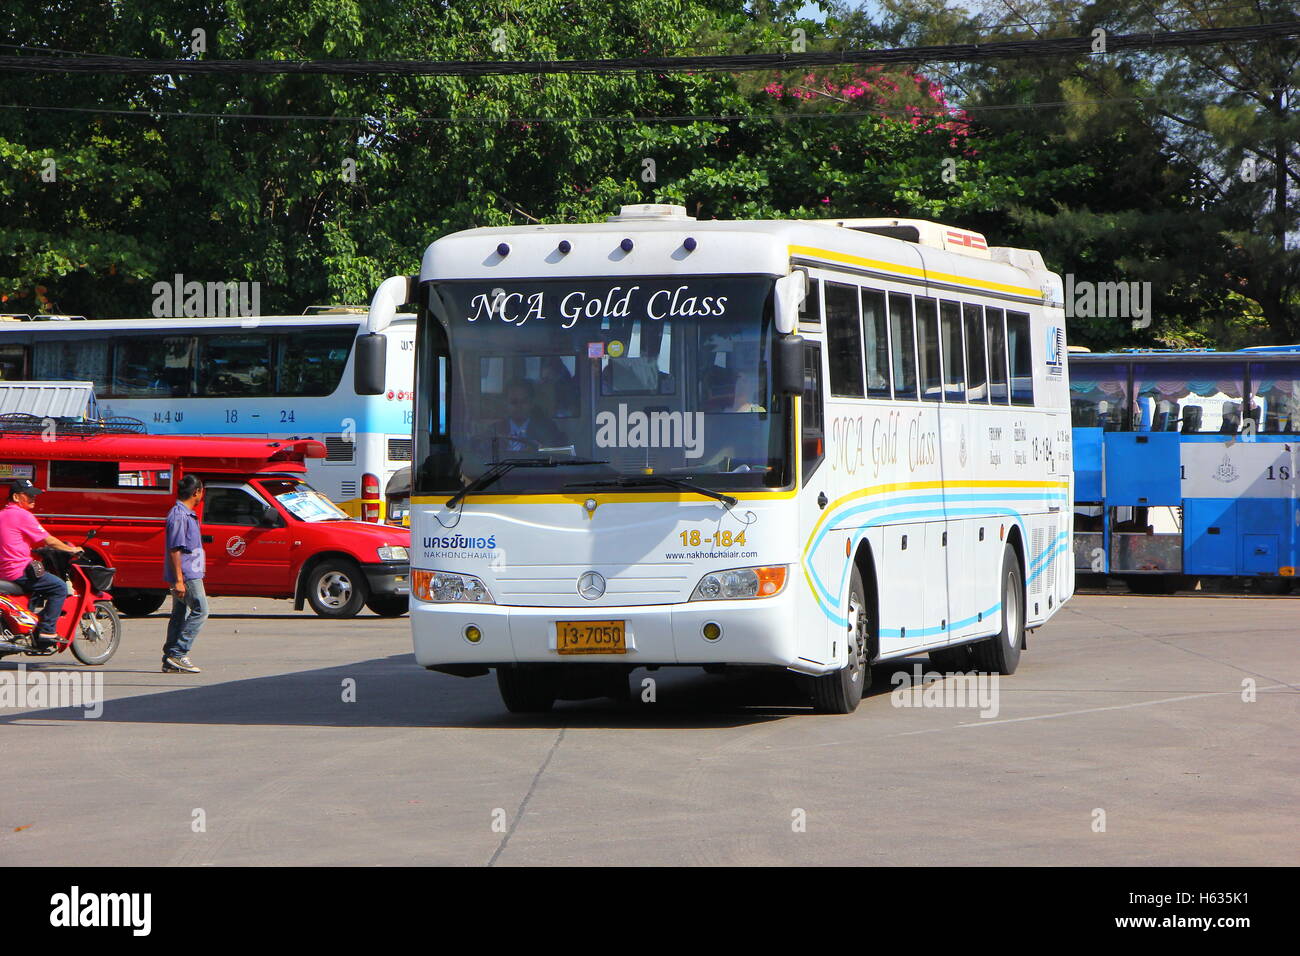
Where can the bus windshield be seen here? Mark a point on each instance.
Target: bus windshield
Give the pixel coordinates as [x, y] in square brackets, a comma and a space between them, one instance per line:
[636, 377]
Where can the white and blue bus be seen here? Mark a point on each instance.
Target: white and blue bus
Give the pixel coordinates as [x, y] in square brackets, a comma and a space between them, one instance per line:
[657, 441]
[311, 376]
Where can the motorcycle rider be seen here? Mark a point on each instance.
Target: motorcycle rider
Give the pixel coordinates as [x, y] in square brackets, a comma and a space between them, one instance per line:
[19, 533]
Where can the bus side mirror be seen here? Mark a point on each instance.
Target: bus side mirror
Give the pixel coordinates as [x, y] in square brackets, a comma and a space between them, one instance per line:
[788, 360]
[788, 299]
[370, 368]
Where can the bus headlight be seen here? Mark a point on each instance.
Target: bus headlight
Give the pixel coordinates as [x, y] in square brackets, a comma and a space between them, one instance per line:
[741, 583]
[446, 587]
[396, 553]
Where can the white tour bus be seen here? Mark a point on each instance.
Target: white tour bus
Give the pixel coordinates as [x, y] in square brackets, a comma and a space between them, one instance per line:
[805, 445]
[309, 376]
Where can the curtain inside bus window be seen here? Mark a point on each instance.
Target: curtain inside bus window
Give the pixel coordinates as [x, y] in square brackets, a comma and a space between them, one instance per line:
[56, 360]
[311, 361]
[927, 349]
[996, 339]
[977, 389]
[902, 343]
[233, 365]
[843, 340]
[1021, 352]
[875, 329]
[1275, 388]
[1193, 397]
[954, 361]
[152, 367]
[1098, 395]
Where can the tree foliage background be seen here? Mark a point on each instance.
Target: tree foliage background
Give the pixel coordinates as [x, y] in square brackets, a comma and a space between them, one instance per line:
[1178, 168]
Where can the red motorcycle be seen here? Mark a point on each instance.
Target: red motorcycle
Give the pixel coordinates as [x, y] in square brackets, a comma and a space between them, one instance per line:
[88, 622]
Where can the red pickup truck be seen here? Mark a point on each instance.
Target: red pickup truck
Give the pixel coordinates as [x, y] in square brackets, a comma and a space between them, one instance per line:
[266, 532]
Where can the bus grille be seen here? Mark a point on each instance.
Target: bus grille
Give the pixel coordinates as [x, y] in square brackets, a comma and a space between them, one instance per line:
[399, 449]
[1035, 552]
[348, 489]
[339, 449]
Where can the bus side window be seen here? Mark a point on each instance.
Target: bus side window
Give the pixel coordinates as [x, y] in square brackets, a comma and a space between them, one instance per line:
[844, 340]
[927, 349]
[810, 310]
[1022, 359]
[977, 389]
[812, 427]
[954, 355]
[902, 341]
[997, 346]
[875, 328]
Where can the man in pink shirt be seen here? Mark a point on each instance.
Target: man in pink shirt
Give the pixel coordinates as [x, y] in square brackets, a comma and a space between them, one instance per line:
[19, 533]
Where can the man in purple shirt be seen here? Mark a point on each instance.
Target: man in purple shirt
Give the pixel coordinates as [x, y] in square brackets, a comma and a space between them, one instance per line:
[183, 570]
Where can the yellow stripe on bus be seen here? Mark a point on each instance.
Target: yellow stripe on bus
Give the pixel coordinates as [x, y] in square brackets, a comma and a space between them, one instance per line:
[881, 266]
[578, 498]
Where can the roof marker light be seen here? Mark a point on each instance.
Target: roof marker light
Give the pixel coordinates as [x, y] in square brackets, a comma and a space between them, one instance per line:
[690, 244]
[503, 249]
[565, 246]
[626, 245]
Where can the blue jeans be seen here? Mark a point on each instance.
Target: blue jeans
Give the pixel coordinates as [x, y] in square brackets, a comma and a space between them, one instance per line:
[188, 615]
[53, 592]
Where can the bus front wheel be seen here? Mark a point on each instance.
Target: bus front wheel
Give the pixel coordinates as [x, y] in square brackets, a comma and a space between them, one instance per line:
[525, 690]
[840, 692]
[1000, 654]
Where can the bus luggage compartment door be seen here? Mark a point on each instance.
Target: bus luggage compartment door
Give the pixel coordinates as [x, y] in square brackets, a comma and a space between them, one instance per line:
[1143, 468]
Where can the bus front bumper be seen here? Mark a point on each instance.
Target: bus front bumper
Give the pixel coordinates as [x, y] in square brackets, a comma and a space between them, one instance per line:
[757, 631]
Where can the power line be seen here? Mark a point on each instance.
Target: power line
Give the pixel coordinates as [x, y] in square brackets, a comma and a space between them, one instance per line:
[956, 114]
[963, 52]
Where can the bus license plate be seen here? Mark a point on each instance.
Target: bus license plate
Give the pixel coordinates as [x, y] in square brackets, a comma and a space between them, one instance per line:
[590, 637]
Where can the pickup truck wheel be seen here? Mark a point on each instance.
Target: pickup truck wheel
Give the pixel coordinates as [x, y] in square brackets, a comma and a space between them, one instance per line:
[388, 605]
[138, 603]
[337, 588]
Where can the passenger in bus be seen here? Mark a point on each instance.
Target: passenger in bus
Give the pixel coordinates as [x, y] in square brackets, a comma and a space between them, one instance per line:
[19, 533]
[525, 427]
[562, 386]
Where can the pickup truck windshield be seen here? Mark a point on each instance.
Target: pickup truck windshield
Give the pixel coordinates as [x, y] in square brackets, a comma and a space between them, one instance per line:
[303, 501]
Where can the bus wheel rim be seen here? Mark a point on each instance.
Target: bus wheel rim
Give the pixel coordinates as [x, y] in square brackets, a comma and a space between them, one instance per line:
[1013, 610]
[856, 649]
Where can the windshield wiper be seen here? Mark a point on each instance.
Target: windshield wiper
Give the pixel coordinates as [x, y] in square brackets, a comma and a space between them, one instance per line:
[498, 468]
[641, 481]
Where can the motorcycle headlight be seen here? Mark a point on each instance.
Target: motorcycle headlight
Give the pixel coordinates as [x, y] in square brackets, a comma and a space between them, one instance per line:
[395, 553]
[738, 583]
[447, 587]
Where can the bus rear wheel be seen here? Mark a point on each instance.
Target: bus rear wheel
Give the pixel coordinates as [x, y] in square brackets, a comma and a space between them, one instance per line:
[840, 692]
[1000, 654]
[138, 603]
[525, 690]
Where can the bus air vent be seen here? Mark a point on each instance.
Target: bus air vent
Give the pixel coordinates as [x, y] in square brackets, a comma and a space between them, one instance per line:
[399, 449]
[339, 449]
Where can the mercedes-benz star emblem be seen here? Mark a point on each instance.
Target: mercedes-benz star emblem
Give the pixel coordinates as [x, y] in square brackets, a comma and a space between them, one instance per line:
[591, 585]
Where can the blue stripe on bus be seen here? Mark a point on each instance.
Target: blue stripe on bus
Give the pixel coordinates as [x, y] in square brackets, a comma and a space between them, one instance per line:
[823, 594]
